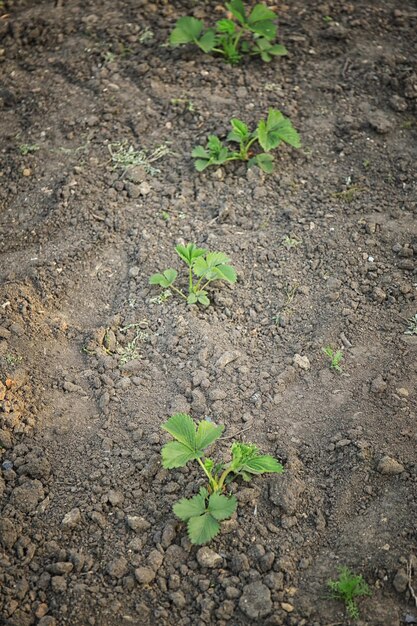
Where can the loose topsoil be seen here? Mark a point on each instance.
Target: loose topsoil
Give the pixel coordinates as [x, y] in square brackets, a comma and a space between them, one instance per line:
[92, 361]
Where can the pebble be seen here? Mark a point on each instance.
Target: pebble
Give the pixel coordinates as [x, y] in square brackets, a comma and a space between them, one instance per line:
[389, 466]
[138, 524]
[226, 358]
[379, 121]
[378, 385]
[402, 392]
[72, 518]
[208, 558]
[118, 568]
[287, 607]
[400, 581]
[144, 575]
[301, 361]
[255, 600]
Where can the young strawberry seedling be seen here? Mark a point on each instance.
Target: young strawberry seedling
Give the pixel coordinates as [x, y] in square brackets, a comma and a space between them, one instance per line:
[252, 34]
[348, 587]
[335, 356]
[203, 268]
[210, 506]
[268, 134]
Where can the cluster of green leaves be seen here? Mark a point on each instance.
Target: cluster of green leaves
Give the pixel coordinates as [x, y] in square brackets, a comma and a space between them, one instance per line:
[335, 356]
[203, 268]
[246, 33]
[204, 512]
[269, 134]
[348, 587]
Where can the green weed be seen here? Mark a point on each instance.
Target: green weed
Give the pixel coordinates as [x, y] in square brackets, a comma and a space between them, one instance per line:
[27, 148]
[335, 356]
[204, 512]
[125, 156]
[12, 359]
[269, 134]
[348, 587]
[290, 242]
[412, 326]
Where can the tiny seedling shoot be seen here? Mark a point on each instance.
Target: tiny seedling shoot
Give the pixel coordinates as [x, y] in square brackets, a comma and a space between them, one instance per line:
[203, 268]
[204, 511]
[239, 34]
[335, 358]
[348, 587]
[268, 134]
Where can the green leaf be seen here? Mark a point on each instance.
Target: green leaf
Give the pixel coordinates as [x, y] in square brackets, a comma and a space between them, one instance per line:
[237, 9]
[207, 433]
[189, 252]
[191, 507]
[263, 464]
[278, 50]
[199, 152]
[192, 298]
[201, 165]
[202, 529]
[207, 41]
[164, 280]
[240, 131]
[264, 161]
[226, 26]
[225, 272]
[265, 29]
[221, 507]
[187, 30]
[277, 128]
[203, 299]
[260, 12]
[182, 428]
[176, 454]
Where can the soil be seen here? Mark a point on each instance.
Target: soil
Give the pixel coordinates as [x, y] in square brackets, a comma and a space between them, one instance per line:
[92, 361]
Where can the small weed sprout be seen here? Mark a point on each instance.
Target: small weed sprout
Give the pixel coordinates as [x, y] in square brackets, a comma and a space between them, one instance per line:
[130, 352]
[125, 156]
[203, 268]
[12, 360]
[146, 35]
[335, 356]
[412, 326]
[290, 242]
[27, 148]
[269, 134]
[250, 34]
[348, 587]
[204, 512]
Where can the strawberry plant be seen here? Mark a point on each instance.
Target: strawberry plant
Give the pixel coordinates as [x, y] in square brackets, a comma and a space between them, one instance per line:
[268, 134]
[335, 356]
[204, 511]
[203, 268]
[243, 33]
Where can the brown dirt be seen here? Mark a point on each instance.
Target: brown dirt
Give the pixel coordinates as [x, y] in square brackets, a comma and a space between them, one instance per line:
[80, 423]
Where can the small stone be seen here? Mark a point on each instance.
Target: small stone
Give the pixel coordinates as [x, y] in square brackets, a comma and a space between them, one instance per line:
[400, 581]
[58, 584]
[61, 568]
[118, 568]
[397, 103]
[178, 598]
[144, 188]
[379, 121]
[26, 172]
[144, 575]
[138, 524]
[226, 358]
[115, 498]
[155, 560]
[5, 439]
[41, 610]
[255, 600]
[301, 361]
[208, 558]
[72, 518]
[403, 392]
[8, 533]
[287, 607]
[378, 385]
[27, 496]
[379, 294]
[389, 466]
[275, 581]
[136, 174]
[48, 620]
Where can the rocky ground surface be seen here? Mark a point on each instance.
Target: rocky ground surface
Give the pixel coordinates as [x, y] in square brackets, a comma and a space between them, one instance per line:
[92, 360]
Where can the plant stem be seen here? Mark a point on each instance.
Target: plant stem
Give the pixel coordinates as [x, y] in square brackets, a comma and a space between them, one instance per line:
[178, 291]
[212, 482]
[223, 478]
[190, 280]
[245, 149]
